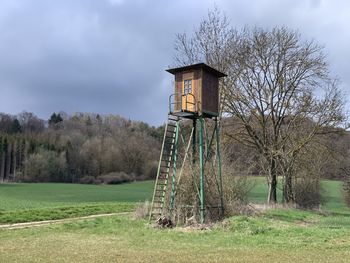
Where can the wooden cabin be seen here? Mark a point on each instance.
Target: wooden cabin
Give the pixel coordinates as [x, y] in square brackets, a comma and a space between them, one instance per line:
[196, 91]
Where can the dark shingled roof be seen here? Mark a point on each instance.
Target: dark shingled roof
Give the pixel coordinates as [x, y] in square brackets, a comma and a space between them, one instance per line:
[198, 66]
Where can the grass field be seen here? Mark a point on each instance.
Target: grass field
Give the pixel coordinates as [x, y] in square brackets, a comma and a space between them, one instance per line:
[31, 202]
[281, 235]
[332, 194]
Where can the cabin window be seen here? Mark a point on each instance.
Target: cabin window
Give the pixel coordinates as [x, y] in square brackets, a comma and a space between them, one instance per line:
[187, 86]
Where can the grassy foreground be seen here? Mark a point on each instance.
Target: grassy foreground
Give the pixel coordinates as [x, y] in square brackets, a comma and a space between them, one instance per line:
[275, 236]
[279, 236]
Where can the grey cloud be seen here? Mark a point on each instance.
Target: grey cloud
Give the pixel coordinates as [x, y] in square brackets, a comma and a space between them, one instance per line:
[109, 56]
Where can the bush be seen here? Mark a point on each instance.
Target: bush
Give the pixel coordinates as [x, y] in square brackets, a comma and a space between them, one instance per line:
[236, 190]
[142, 210]
[307, 192]
[116, 178]
[89, 180]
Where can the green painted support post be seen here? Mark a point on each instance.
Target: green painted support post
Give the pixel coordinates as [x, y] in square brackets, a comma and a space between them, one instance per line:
[201, 167]
[173, 179]
[217, 129]
[194, 142]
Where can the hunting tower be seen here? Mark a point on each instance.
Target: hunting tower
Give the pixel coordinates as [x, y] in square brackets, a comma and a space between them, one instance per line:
[195, 97]
[196, 91]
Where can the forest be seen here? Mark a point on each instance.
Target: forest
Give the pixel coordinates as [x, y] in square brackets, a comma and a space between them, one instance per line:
[83, 148]
[98, 149]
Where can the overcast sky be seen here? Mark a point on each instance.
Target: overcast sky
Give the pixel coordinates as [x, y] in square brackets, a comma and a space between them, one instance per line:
[109, 56]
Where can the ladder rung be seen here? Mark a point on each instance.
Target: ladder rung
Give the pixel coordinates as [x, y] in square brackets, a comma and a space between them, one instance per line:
[158, 213]
[160, 184]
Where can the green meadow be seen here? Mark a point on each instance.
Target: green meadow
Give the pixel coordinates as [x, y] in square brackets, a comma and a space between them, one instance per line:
[277, 235]
[31, 202]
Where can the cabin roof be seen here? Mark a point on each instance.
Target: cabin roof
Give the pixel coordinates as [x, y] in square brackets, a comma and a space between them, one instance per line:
[197, 66]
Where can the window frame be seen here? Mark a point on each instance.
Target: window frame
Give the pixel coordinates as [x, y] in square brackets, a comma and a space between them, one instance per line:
[188, 88]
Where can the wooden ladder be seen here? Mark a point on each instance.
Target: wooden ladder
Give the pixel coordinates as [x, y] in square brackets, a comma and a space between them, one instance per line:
[165, 162]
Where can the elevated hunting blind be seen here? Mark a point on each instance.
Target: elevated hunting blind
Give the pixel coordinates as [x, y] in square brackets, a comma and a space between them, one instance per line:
[196, 91]
[196, 97]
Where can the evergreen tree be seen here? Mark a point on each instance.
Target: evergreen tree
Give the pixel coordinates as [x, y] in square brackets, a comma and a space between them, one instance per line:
[54, 119]
[15, 126]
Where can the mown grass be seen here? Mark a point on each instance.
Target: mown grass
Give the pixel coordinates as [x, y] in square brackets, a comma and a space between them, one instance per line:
[29, 215]
[279, 235]
[272, 237]
[31, 202]
[35, 202]
[28, 196]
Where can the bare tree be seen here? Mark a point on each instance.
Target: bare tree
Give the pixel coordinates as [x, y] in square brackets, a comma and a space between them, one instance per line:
[278, 89]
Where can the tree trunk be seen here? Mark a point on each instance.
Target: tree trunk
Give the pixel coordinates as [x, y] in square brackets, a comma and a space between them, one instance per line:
[272, 195]
[8, 161]
[2, 165]
[2, 160]
[288, 196]
[14, 161]
[24, 160]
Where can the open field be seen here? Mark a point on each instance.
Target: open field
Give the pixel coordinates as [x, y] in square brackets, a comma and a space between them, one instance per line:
[275, 236]
[31, 202]
[332, 194]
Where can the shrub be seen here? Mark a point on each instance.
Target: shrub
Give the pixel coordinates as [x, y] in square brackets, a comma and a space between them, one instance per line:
[142, 210]
[307, 192]
[236, 190]
[116, 178]
[89, 180]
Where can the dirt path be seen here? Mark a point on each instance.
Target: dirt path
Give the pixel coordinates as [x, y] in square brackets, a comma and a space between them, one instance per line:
[58, 221]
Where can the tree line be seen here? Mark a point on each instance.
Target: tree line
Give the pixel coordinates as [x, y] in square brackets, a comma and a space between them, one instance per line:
[83, 148]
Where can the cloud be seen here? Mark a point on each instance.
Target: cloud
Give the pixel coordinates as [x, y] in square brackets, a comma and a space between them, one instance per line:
[109, 56]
